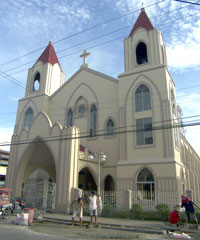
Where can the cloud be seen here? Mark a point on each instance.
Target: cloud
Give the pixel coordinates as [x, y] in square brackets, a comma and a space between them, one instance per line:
[182, 38]
[5, 138]
[43, 17]
[190, 104]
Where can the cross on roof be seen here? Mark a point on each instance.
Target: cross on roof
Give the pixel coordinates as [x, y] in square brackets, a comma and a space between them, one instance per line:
[84, 55]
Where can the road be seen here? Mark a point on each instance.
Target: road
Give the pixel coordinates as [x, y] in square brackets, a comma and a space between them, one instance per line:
[53, 231]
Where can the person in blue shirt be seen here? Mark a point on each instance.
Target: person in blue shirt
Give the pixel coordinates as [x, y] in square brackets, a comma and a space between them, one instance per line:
[189, 210]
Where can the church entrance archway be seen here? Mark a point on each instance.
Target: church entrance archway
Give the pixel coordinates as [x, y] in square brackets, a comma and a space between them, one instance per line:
[86, 180]
[36, 177]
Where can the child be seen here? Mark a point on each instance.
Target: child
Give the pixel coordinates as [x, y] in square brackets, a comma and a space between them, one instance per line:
[77, 210]
[174, 216]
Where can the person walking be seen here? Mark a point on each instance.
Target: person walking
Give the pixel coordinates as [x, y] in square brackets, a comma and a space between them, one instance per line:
[93, 204]
[77, 206]
[99, 207]
[189, 210]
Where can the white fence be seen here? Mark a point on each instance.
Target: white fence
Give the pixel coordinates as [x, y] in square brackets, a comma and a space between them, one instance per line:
[125, 199]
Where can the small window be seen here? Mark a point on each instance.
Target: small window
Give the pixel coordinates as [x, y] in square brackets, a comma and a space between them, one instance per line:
[110, 127]
[36, 82]
[141, 53]
[70, 118]
[173, 103]
[176, 137]
[28, 118]
[93, 120]
[144, 135]
[142, 99]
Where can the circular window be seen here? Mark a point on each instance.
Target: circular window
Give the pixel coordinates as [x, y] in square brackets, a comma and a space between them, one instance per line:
[81, 110]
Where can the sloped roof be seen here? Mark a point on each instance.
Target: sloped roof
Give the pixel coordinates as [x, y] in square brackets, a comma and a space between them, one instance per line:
[142, 21]
[49, 55]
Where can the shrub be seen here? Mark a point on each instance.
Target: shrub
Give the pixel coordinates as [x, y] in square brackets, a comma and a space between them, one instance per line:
[136, 211]
[108, 211]
[163, 211]
[151, 216]
[122, 214]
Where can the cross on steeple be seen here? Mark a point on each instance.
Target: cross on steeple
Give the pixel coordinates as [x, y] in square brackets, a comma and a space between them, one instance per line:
[84, 55]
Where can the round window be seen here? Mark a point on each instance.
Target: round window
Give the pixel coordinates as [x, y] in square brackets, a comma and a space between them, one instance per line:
[81, 109]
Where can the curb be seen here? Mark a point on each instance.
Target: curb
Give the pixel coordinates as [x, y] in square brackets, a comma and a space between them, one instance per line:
[107, 226]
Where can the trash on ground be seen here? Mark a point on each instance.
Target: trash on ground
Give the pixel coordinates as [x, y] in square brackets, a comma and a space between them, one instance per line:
[22, 219]
[175, 235]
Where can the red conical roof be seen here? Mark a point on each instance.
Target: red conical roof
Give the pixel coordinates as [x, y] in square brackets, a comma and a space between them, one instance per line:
[49, 55]
[142, 21]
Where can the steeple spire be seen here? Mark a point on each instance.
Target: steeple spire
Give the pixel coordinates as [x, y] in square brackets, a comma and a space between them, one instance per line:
[143, 22]
[49, 55]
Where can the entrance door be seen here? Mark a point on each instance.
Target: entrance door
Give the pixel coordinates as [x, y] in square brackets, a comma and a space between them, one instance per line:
[86, 180]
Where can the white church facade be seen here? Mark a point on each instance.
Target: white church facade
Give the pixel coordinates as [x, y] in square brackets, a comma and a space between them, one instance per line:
[60, 125]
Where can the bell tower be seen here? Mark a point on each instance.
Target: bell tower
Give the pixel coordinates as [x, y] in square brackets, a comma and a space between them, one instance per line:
[144, 47]
[46, 75]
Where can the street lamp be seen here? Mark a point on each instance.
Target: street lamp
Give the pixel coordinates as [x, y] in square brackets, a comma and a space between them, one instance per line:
[101, 157]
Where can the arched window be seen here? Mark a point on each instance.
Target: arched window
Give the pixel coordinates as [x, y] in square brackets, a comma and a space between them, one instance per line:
[36, 82]
[110, 127]
[28, 118]
[142, 99]
[145, 184]
[93, 120]
[141, 53]
[69, 118]
[173, 103]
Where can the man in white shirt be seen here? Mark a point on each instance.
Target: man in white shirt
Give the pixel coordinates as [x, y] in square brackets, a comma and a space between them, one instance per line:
[93, 204]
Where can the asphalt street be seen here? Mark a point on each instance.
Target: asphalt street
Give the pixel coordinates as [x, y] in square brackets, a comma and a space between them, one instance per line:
[52, 231]
[14, 232]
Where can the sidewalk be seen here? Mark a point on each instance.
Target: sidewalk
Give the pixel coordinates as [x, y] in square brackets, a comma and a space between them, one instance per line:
[142, 226]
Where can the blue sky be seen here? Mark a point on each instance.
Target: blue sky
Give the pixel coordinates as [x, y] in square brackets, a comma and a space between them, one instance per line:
[27, 26]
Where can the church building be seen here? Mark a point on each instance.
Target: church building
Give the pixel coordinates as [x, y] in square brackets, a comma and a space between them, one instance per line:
[96, 132]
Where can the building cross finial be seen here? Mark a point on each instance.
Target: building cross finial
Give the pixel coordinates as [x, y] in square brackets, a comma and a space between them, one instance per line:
[84, 55]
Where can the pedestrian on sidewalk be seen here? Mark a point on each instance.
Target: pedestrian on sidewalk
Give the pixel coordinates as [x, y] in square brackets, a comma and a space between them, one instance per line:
[99, 207]
[189, 210]
[93, 204]
[77, 206]
[174, 217]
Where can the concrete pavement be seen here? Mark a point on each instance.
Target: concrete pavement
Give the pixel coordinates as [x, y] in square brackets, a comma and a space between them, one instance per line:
[150, 227]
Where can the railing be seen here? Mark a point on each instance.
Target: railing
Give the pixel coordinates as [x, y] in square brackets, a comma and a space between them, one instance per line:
[148, 200]
[40, 194]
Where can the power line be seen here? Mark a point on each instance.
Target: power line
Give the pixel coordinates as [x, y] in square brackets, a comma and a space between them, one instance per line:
[85, 30]
[134, 125]
[90, 47]
[162, 127]
[195, 3]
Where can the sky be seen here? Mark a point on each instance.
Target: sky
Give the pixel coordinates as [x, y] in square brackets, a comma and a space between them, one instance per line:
[27, 26]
